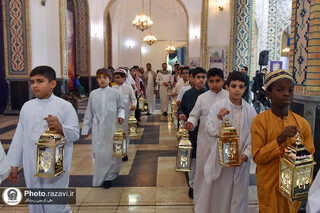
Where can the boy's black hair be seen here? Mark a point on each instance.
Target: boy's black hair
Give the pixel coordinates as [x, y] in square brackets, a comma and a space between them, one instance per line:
[185, 68]
[148, 64]
[164, 63]
[235, 76]
[215, 72]
[46, 71]
[136, 67]
[246, 68]
[191, 71]
[198, 70]
[123, 75]
[77, 75]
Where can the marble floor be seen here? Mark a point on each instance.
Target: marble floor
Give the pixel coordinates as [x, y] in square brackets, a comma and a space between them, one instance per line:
[147, 182]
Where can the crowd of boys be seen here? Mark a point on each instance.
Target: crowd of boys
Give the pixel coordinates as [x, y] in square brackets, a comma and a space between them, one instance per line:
[263, 137]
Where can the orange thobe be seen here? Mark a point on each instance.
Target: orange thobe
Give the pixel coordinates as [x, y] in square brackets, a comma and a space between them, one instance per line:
[266, 152]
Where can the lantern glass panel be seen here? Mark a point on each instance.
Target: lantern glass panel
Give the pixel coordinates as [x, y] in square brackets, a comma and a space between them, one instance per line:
[124, 146]
[117, 147]
[184, 157]
[59, 159]
[285, 177]
[46, 160]
[302, 181]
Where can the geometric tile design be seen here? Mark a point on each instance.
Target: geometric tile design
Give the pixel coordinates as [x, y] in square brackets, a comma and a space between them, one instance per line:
[16, 27]
[301, 42]
[82, 37]
[305, 45]
[241, 33]
[279, 18]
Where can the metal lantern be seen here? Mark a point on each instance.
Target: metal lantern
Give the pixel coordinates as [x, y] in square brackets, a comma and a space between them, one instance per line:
[180, 132]
[132, 125]
[169, 89]
[120, 145]
[174, 114]
[146, 108]
[183, 162]
[228, 147]
[50, 148]
[296, 171]
[141, 103]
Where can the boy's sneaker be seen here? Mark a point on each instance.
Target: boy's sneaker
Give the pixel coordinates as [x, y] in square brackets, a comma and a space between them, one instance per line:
[107, 184]
[125, 158]
[190, 194]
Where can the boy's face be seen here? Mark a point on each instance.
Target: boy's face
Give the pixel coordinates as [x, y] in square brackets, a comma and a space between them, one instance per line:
[118, 79]
[133, 73]
[103, 81]
[41, 87]
[215, 83]
[282, 93]
[199, 80]
[236, 89]
[184, 75]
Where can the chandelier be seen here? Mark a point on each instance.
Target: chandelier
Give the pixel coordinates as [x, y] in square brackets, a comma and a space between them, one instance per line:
[150, 39]
[142, 22]
[170, 49]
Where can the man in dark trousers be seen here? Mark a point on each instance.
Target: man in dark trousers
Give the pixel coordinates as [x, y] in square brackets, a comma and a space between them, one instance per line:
[187, 103]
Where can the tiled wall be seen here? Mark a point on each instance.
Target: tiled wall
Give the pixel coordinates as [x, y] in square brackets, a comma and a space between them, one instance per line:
[305, 46]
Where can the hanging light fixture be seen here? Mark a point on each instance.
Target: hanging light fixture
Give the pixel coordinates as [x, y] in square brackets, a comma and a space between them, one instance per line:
[170, 49]
[150, 39]
[142, 21]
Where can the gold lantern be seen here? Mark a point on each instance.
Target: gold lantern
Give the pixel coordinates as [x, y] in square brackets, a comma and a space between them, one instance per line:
[228, 147]
[183, 162]
[174, 114]
[180, 132]
[141, 102]
[50, 148]
[296, 171]
[120, 145]
[132, 125]
[146, 108]
[169, 89]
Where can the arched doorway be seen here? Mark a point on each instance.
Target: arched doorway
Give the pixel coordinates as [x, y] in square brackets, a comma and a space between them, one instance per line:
[124, 45]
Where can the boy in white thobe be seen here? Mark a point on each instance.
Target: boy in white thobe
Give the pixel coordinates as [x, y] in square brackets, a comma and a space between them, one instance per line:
[129, 100]
[229, 185]
[163, 80]
[105, 111]
[200, 112]
[37, 115]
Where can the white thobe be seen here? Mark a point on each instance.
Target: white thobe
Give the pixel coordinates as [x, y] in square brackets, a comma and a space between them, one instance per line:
[200, 112]
[228, 186]
[104, 107]
[23, 148]
[182, 91]
[179, 85]
[150, 92]
[313, 204]
[164, 97]
[129, 100]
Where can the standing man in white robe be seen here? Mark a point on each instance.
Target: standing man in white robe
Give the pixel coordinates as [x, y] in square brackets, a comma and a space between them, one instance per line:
[228, 186]
[36, 116]
[151, 89]
[129, 100]
[164, 80]
[105, 111]
[200, 112]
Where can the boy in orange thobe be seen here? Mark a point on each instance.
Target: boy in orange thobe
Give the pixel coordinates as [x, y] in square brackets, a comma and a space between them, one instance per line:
[271, 133]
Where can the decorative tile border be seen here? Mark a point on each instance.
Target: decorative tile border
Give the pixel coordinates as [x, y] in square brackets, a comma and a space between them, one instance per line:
[16, 38]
